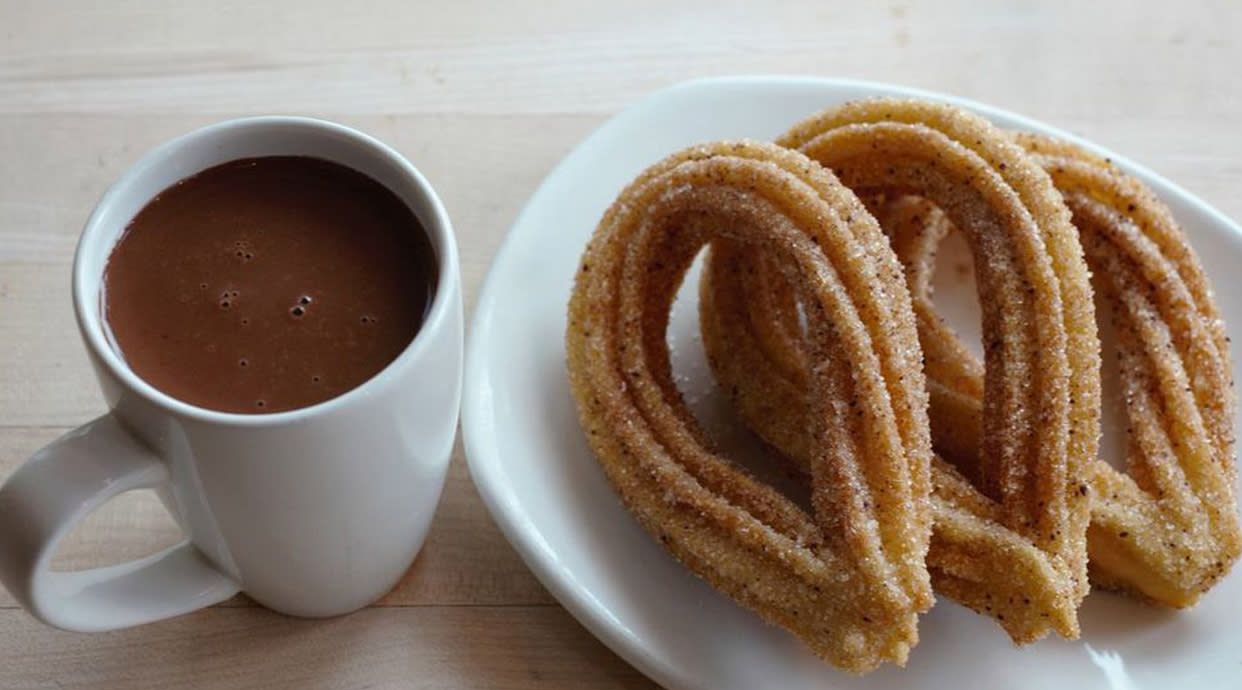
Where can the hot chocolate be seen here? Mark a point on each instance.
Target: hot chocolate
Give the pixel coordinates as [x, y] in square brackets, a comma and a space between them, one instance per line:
[268, 284]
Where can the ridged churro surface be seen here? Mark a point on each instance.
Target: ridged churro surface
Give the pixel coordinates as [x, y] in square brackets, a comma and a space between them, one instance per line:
[1014, 546]
[849, 577]
[816, 311]
[1166, 529]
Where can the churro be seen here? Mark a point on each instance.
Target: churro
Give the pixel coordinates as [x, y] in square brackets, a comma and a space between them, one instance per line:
[815, 307]
[1015, 549]
[1167, 529]
[848, 578]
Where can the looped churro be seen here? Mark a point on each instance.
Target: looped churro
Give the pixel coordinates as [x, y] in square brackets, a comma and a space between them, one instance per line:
[1016, 550]
[849, 579]
[1168, 530]
[1041, 396]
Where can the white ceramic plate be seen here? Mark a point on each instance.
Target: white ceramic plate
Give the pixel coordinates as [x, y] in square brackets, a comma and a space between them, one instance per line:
[536, 475]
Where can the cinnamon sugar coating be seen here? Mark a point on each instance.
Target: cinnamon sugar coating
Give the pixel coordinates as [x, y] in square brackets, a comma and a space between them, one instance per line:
[847, 578]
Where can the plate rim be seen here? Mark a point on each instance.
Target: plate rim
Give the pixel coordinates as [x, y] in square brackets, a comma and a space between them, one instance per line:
[478, 432]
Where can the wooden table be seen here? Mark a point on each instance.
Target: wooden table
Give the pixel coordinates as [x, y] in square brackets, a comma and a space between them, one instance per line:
[484, 98]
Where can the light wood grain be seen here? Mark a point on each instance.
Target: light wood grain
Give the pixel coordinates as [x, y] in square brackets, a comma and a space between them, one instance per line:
[484, 97]
[422, 647]
[565, 56]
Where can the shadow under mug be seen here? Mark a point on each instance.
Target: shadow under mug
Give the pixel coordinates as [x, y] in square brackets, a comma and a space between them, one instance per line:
[312, 512]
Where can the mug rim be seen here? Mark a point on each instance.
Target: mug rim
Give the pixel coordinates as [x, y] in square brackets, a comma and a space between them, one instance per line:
[86, 293]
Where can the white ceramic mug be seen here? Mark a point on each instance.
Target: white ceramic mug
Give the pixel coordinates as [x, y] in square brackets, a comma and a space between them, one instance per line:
[311, 512]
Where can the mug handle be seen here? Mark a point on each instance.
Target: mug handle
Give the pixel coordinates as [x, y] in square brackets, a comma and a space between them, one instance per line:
[52, 492]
